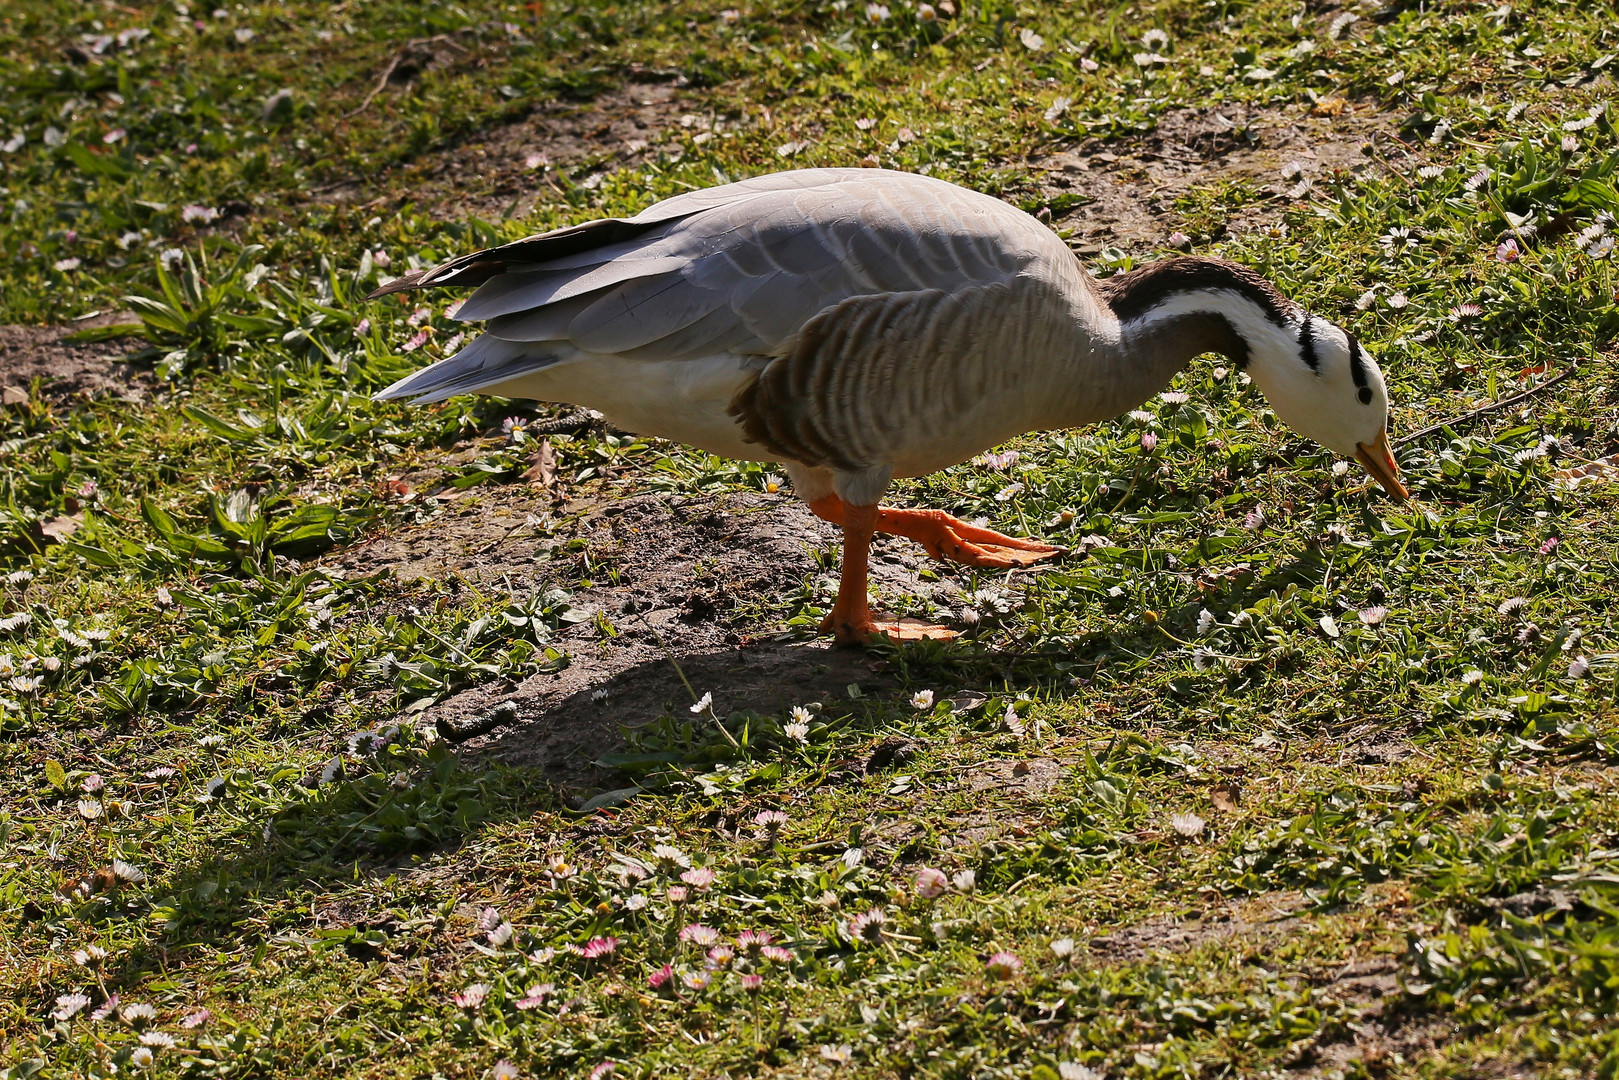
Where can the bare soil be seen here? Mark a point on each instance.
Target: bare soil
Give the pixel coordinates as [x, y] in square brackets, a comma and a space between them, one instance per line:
[1269, 917]
[1130, 186]
[1380, 1042]
[65, 368]
[692, 575]
[1381, 1037]
[506, 170]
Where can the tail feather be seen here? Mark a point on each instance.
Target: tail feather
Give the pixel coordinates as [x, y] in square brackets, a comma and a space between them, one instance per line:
[479, 266]
[487, 361]
[525, 292]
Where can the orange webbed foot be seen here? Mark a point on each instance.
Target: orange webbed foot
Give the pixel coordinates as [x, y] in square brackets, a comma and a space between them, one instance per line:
[947, 537]
[868, 631]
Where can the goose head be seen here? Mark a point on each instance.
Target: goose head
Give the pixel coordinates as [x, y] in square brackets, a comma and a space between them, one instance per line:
[1323, 384]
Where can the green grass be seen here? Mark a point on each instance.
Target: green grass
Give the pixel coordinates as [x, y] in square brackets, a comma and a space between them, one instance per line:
[1429, 791]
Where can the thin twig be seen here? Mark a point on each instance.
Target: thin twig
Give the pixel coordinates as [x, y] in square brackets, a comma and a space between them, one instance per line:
[438, 39]
[1504, 403]
[377, 89]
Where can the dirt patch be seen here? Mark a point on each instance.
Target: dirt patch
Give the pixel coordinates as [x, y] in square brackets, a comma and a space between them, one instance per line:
[1129, 187]
[1381, 1034]
[505, 170]
[1263, 918]
[1006, 800]
[1023, 782]
[1033, 775]
[67, 368]
[680, 581]
[1384, 1035]
[1378, 1043]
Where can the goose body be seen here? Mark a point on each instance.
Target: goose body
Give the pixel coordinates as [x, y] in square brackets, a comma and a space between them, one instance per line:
[858, 325]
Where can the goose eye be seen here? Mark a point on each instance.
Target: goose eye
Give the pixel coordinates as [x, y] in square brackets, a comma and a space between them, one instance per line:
[1366, 395]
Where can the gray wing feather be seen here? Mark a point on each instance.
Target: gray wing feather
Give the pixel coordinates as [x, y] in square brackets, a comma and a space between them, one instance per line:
[743, 267]
[717, 332]
[486, 361]
[640, 312]
[547, 287]
[547, 323]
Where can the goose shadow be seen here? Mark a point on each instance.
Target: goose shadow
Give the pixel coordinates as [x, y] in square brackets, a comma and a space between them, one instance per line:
[563, 723]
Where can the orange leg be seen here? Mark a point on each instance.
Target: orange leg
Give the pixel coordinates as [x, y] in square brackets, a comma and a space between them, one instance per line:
[850, 618]
[946, 537]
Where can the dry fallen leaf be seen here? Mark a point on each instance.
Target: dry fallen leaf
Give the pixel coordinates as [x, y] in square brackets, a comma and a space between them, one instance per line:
[542, 467]
[13, 395]
[60, 528]
[1330, 106]
[103, 880]
[1225, 796]
[1602, 470]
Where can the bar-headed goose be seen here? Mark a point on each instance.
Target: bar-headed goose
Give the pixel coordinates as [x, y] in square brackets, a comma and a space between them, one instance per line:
[857, 325]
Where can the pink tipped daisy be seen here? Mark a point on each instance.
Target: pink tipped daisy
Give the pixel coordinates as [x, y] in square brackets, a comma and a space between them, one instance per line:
[68, 1006]
[868, 926]
[535, 996]
[931, 883]
[700, 935]
[1003, 965]
[472, 997]
[658, 978]
[748, 940]
[699, 878]
[598, 947]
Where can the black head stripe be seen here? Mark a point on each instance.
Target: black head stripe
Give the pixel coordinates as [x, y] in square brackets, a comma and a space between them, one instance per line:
[1307, 345]
[1357, 369]
[1134, 294]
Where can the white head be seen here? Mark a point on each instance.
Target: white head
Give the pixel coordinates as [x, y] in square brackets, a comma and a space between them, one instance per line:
[1325, 385]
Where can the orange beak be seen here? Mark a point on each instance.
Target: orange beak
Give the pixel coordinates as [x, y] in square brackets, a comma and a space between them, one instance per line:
[1378, 460]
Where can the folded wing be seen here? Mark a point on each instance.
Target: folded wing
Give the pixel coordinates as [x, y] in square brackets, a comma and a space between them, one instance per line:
[741, 268]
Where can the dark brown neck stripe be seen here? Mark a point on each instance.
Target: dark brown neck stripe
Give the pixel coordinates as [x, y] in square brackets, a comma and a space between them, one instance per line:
[1357, 368]
[1307, 345]
[1134, 294]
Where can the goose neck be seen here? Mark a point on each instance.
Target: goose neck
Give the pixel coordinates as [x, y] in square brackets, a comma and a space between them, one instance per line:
[1170, 312]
